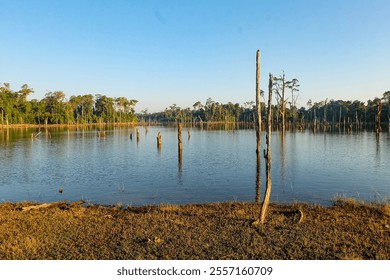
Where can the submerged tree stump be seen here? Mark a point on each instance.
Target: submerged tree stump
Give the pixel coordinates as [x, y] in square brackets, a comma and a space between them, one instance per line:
[138, 135]
[179, 130]
[159, 140]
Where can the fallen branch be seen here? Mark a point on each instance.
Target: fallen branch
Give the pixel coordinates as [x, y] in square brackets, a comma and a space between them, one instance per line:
[302, 216]
[44, 205]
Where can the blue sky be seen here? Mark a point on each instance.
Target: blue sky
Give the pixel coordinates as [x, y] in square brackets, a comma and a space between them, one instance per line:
[165, 52]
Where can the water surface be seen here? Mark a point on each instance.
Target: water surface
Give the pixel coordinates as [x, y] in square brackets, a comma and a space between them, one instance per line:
[216, 165]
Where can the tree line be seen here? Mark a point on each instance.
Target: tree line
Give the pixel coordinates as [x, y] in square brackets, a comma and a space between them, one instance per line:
[54, 108]
[284, 112]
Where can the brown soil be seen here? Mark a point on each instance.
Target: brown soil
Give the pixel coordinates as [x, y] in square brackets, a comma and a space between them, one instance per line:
[346, 230]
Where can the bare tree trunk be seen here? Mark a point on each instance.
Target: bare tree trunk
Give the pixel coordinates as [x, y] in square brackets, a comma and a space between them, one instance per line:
[159, 141]
[340, 117]
[284, 101]
[267, 155]
[179, 130]
[180, 148]
[378, 117]
[258, 104]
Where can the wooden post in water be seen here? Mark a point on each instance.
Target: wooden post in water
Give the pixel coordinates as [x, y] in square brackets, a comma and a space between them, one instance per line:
[189, 135]
[179, 138]
[267, 155]
[258, 104]
[159, 141]
[138, 135]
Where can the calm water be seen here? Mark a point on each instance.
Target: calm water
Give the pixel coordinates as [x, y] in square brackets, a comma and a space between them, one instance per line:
[216, 165]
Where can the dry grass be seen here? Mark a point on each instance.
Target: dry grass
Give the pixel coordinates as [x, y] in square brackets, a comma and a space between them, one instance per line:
[347, 230]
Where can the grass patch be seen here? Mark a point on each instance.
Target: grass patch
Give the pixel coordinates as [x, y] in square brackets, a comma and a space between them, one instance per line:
[346, 230]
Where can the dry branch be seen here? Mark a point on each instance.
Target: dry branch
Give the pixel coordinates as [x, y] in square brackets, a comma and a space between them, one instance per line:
[44, 205]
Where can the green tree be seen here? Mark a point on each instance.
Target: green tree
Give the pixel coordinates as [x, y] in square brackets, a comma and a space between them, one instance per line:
[104, 108]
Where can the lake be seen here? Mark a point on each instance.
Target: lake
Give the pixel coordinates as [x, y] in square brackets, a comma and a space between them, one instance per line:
[216, 165]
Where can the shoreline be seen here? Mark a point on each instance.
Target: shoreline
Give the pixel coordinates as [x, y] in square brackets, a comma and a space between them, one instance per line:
[5, 126]
[346, 230]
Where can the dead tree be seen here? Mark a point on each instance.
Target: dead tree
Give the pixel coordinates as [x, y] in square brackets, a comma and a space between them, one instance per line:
[258, 104]
[280, 91]
[180, 148]
[159, 141]
[293, 85]
[179, 139]
[267, 154]
[378, 117]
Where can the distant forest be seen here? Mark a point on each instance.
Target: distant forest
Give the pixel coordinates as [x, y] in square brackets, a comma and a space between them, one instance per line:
[326, 111]
[55, 109]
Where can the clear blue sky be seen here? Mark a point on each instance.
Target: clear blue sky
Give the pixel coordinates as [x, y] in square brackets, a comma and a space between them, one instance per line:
[165, 52]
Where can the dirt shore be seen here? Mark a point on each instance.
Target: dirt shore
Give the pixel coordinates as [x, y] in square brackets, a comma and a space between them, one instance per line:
[347, 230]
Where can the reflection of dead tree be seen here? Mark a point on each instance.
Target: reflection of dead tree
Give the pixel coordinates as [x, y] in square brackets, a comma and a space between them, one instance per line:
[258, 178]
[267, 154]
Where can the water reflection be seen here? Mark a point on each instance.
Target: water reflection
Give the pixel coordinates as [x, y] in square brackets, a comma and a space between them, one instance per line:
[218, 165]
[258, 178]
[180, 162]
[180, 151]
[283, 158]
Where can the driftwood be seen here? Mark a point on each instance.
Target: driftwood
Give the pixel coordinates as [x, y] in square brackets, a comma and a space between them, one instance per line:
[44, 205]
[302, 216]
